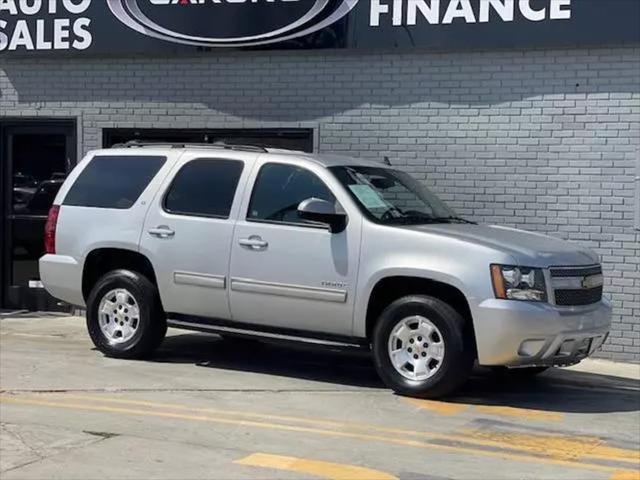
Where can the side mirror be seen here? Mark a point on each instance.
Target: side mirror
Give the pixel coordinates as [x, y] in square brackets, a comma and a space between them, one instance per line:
[317, 210]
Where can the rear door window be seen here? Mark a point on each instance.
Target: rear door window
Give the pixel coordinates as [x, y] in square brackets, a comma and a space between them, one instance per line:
[113, 181]
[204, 188]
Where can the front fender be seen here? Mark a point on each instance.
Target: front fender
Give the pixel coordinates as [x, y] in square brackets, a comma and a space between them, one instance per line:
[391, 251]
[366, 290]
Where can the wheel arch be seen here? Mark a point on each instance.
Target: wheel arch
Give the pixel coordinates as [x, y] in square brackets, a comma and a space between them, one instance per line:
[394, 286]
[102, 260]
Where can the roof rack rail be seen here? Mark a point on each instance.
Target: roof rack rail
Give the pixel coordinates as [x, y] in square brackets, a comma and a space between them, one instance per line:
[219, 145]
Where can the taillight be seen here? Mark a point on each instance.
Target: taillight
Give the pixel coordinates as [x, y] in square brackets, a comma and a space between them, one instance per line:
[50, 230]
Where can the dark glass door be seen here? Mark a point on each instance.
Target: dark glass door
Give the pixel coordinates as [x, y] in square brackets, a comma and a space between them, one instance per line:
[36, 159]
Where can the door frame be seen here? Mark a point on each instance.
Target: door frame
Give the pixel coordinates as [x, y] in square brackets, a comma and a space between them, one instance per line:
[242, 283]
[9, 125]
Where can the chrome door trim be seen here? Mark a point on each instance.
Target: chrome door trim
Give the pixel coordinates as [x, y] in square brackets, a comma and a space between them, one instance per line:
[200, 280]
[256, 333]
[285, 290]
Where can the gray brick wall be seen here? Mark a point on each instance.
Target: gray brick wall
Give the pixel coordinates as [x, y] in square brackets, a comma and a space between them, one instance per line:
[545, 140]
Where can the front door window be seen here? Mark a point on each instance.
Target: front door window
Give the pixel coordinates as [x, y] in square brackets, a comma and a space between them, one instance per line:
[278, 191]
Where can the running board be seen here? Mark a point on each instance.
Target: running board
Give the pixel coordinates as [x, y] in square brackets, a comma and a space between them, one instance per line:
[250, 331]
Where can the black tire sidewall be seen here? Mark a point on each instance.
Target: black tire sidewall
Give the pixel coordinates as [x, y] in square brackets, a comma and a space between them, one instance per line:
[458, 358]
[151, 324]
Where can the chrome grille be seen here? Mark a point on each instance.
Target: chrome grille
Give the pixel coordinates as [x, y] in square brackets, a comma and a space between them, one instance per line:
[572, 286]
[576, 271]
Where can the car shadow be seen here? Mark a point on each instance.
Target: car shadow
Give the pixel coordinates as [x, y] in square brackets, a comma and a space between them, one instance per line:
[557, 390]
[337, 367]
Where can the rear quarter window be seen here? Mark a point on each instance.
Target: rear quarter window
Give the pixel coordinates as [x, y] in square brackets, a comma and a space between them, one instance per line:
[111, 181]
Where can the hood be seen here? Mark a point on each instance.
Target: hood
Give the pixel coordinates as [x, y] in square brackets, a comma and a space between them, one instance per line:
[527, 248]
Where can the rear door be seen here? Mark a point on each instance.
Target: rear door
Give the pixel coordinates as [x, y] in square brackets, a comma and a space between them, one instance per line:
[188, 231]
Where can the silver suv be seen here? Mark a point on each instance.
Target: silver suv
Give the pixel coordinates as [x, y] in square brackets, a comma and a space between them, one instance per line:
[320, 249]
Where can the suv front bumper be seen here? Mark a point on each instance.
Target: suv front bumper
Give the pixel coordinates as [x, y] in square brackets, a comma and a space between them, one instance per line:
[515, 333]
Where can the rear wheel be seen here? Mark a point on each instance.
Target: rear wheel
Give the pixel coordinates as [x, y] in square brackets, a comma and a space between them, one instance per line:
[421, 347]
[124, 316]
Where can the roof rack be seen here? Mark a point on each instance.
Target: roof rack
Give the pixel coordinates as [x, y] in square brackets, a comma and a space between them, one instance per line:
[217, 145]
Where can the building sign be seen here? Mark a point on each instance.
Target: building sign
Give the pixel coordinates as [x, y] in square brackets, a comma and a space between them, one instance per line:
[147, 26]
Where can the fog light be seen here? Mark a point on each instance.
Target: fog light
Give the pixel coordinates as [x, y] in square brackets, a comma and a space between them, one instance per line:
[566, 349]
[530, 348]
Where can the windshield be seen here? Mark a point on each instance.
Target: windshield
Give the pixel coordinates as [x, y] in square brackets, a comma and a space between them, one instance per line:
[393, 197]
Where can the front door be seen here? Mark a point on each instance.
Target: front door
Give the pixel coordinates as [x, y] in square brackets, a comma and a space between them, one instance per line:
[36, 158]
[188, 232]
[285, 271]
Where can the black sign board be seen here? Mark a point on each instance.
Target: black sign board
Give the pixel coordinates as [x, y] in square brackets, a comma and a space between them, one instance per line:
[148, 26]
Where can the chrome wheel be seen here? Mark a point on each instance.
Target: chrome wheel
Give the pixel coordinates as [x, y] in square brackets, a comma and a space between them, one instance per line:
[119, 316]
[416, 348]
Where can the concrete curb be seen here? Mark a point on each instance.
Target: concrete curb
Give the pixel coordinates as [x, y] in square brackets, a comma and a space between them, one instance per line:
[606, 367]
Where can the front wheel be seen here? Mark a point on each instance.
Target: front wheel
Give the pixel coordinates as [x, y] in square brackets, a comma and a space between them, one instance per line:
[422, 347]
[124, 315]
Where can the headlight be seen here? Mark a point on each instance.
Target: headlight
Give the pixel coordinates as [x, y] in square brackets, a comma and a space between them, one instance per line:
[518, 283]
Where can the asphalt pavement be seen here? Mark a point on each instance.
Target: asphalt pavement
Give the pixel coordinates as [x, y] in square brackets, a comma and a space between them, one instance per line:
[211, 408]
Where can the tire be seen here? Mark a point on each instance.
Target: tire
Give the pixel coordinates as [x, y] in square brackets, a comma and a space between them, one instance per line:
[518, 373]
[140, 336]
[451, 331]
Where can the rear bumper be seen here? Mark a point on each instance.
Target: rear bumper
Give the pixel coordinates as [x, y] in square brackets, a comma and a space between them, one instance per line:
[513, 333]
[62, 277]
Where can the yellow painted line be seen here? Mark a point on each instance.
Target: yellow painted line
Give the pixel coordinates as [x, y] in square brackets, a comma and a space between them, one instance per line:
[559, 446]
[442, 408]
[447, 408]
[604, 452]
[523, 413]
[626, 475]
[330, 471]
[317, 431]
[529, 443]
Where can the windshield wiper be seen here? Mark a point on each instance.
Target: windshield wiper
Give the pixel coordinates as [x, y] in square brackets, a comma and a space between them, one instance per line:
[415, 218]
[452, 219]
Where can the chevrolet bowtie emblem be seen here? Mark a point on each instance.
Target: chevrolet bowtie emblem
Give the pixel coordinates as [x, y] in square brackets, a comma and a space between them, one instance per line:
[592, 281]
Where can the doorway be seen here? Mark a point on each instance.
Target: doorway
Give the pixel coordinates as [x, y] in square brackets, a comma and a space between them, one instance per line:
[36, 158]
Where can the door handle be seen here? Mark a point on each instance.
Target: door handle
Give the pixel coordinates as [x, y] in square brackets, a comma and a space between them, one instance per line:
[254, 242]
[162, 232]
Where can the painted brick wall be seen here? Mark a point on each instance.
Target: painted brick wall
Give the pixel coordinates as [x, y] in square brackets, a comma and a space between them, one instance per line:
[543, 140]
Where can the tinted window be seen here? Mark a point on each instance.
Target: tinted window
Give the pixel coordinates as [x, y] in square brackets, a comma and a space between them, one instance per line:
[278, 191]
[113, 181]
[204, 187]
